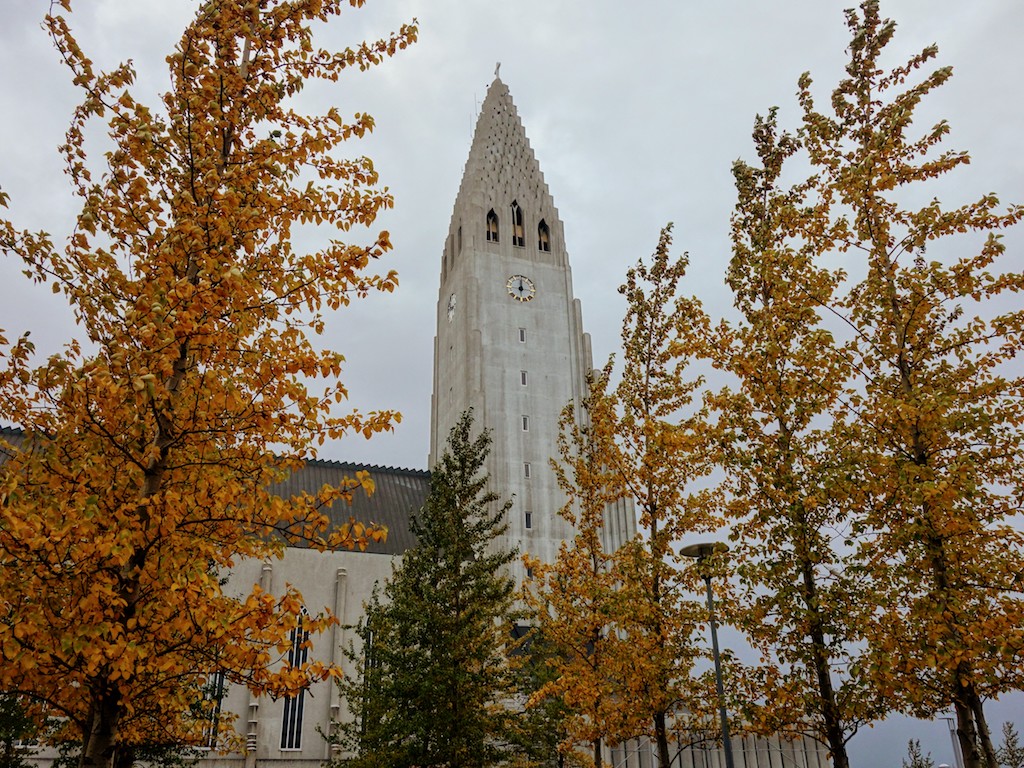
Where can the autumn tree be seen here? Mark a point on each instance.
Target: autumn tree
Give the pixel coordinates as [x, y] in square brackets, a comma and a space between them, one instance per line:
[438, 639]
[930, 428]
[799, 596]
[658, 458]
[938, 417]
[150, 440]
[576, 599]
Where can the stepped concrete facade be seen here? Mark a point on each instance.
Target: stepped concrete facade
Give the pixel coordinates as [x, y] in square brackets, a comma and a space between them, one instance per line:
[510, 341]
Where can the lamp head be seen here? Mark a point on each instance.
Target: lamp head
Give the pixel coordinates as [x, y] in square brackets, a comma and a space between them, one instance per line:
[703, 550]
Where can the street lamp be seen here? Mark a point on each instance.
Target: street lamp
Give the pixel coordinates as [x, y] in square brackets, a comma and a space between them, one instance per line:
[701, 552]
[957, 754]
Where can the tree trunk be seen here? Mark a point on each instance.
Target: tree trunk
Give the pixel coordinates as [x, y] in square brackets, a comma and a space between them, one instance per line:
[988, 751]
[597, 752]
[966, 733]
[661, 738]
[830, 715]
[99, 749]
[124, 757]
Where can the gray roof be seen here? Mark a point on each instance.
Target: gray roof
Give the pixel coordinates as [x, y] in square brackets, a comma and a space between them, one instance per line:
[12, 436]
[398, 494]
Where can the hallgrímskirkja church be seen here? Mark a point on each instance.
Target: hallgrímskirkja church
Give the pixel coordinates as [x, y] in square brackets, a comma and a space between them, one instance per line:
[510, 345]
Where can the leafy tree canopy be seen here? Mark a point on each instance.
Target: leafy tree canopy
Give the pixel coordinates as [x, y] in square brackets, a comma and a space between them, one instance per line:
[150, 440]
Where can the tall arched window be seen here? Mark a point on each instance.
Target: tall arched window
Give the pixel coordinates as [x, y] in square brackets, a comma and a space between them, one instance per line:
[492, 226]
[518, 235]
[213, 697]
[543, 236]
[291, 722]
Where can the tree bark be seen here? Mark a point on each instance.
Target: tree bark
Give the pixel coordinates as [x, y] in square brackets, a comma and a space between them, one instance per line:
[661, 737]
[967, 733]
[820, 661]
[99, 737]
[124, 757]
[988, 751]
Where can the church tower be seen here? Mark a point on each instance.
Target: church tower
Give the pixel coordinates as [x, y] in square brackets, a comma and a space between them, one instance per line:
[510, 341]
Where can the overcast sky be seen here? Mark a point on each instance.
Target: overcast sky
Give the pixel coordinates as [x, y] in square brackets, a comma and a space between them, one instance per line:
[635, 117]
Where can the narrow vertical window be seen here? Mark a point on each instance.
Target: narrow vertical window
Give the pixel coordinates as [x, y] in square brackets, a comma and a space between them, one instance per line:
[518, 234]
[543, 236]
[213, 695]
[492, 226]
[291, 722]
[526, 469]
[529, 572]
[522, 378]
[526, 423]
[528, 519]
[522, 335]
[458, 241]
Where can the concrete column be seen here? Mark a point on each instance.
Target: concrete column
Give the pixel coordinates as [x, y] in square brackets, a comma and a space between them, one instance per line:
[338, 639]
[253, 707]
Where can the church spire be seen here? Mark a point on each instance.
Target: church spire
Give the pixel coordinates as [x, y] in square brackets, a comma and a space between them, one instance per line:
[510, 341]
[503, 197]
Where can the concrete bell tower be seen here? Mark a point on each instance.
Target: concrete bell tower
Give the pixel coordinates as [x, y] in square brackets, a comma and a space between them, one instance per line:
[510, 342]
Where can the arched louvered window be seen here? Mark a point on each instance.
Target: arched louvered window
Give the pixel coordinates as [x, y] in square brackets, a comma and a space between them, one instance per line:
[543, 236]
[213, 696]
[291, 722]
[492, 226]
[518, 235]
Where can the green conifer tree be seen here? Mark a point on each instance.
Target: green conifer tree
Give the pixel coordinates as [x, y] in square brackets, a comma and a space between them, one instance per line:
[435, 684]
[1010, 753]
[15, 727]
[916, 758]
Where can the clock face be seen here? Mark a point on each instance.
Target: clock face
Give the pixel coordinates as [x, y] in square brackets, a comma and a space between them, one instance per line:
[520, 288]
[451, 307]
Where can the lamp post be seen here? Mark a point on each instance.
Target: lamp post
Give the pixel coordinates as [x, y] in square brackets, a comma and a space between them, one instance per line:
[701, 552]
[957, 754]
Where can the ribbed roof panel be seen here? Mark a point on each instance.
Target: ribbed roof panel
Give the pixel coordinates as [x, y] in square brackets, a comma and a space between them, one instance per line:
[398, 493]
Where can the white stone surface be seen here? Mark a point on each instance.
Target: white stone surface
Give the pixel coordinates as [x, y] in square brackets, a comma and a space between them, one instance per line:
[486, 344]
